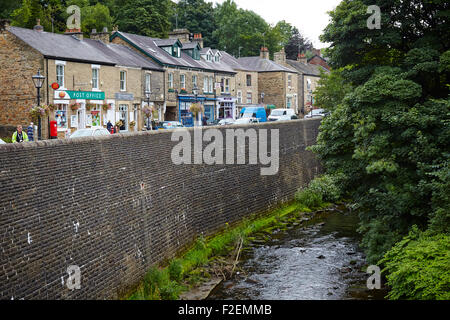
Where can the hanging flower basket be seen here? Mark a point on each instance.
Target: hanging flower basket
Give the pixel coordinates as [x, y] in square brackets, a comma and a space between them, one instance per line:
[119, 124]
[171, 90]
[132, 124]
[183, 91]
[75, 106]
[196, 109]
[38, 111]
[106, 107]
[90, 106]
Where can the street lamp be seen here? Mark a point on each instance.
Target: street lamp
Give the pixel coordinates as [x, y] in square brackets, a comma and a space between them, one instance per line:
[195, 92]
[38, 81]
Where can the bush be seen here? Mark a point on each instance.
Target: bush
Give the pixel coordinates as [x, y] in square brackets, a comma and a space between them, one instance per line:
[309, 198]
[175, 270]
[321, 189]
[417, 267]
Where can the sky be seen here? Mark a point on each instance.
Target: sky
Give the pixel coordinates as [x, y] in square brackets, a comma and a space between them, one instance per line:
[309, 16]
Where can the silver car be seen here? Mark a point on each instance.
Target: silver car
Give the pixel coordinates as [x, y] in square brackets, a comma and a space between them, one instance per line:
[90, 132]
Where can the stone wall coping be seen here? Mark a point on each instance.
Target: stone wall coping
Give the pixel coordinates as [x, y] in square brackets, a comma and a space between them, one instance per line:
[57, 142]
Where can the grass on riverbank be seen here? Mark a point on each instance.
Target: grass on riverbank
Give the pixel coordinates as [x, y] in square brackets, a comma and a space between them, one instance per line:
[183, 272]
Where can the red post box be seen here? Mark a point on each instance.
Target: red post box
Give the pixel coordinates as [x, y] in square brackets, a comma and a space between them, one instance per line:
[53, 130]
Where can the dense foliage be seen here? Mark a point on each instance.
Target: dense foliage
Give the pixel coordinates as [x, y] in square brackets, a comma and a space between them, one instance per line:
[418, 267]
[223, 26]
[387, 140]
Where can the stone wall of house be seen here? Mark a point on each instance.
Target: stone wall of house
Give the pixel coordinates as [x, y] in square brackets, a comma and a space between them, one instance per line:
[241, 85]
[271, 84]
[19, 63]
[116, 205]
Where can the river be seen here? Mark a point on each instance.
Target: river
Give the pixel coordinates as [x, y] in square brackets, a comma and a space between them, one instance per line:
[317, 260]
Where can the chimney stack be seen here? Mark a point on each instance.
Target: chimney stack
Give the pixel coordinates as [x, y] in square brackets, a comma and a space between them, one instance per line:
[198, 38]
[74, 32]
[302, 58]
[100, 36]
[4, 24]
[180, 34]
[280, 57]
[264, 53]
[38, 26]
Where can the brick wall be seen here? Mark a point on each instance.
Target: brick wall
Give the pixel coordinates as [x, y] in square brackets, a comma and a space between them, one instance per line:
[117, 205]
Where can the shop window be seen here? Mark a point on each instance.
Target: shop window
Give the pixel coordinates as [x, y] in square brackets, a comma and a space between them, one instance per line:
[96, 116]
[61, 116]
[123, 115]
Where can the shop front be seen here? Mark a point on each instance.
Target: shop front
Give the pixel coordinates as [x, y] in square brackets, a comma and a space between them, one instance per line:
[75, 110]
[226, 108]
[185, 115]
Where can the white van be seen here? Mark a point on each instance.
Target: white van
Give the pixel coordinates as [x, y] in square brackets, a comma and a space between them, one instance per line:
[282, 115]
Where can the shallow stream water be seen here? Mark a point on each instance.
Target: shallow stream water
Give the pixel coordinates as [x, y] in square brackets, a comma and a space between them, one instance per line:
[317, 260]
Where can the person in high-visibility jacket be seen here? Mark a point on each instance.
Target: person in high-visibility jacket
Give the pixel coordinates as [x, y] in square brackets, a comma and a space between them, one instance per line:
[19, 136]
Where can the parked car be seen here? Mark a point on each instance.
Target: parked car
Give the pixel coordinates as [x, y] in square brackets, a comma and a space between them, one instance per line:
[2, 142]
[90, 132]
[171, 125]
[317, 113]
[245, 120]
[282, 115]
[257, 113]
[226, 122]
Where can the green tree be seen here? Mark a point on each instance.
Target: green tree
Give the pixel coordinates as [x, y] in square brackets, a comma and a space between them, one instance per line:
[198, 17]
[7, 7]
[297, 44]
[145, 17]
[388, 137]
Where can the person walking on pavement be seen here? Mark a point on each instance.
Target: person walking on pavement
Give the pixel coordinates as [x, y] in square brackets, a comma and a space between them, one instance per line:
[19, 136]
[109, 126]
[30, 132]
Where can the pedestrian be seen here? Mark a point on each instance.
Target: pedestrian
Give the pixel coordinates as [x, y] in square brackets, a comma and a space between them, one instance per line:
[109, 126]
[205, 121]
[19, 136]
[116, 129]
[30, 132]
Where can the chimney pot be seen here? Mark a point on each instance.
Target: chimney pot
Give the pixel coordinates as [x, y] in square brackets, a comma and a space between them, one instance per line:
[38, 26]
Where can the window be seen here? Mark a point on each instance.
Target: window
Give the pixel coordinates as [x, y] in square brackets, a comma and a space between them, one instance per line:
[289, 80]
[205, 84]
[227, 85]
[183, 81]
[249, 80]
[176, 51]
[95, 78]
[123, 116]
[194, 81]
[148, 81]
[289, 103]
[308, 84]
[61, 116]
[170, 80]
[60, 75]
[239, 97]
[249, 98]
[211, 81]
[123, 81]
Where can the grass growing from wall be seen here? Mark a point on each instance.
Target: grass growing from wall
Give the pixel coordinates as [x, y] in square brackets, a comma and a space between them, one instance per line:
[167, 283]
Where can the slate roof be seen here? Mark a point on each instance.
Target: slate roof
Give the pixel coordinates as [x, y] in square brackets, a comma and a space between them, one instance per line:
[150, 47]
[233, 62]
[263, 65]
[189, 45]
[64, 47]
[165, 42]
[309, 69]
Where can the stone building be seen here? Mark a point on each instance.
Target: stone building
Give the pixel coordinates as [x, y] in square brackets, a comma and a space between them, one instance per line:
[98, 81]
[246, 82]
[308, 78]
[187, 66]
[277, 84]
